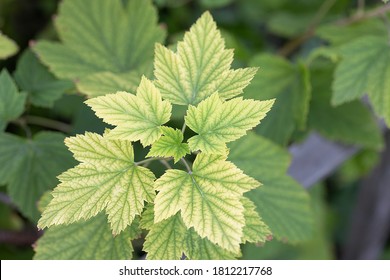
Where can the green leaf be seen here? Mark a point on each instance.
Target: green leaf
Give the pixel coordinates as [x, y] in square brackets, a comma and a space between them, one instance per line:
[34, 78]
[107, 82]
[137, 117]
[283, 204]
[29, 167]
[289, 84]
[208, 198]
[106, 179]
[255, 230]
[93, 42]
[7, 47]
[338, 34]
[169, 145]
[200, 67]
[218, 122]
[11, 100]
[364, 68]
[86, 240]
[351, 123]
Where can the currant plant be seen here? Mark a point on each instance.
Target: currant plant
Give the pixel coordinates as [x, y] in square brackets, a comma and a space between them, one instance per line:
[194, 211]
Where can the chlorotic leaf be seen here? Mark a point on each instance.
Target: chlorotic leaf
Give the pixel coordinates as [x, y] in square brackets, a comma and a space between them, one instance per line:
[283, 204]
[255, 230]
[86, 240]
[364, 68]
[42, 87]
[7, 47]
[92, 42]
[29, 167]
[147, 217]
[137, 117]
[11, 100]
[200, 67]
[106, 179]
[208, 199]
[171, 239]
[197, 248]
[169, 145]
[218, 122]
[350, 123]
[290, 85]
[165, 239]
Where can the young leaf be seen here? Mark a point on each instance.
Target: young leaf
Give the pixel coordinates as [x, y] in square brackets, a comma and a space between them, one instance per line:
[169, 145]
[11, 101]
[255, 230]
[364, 68]
[29, 167]
[7, 47]
[93, 42]
[290, 85]
[42, 87]
[284, 205]
[218, 122]
[106, 179]
[86, 240]
[200, 67]
[137, 117]
[208, 198]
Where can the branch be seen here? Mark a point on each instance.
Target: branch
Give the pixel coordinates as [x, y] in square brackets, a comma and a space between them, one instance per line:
[362, 16]
[48, 123]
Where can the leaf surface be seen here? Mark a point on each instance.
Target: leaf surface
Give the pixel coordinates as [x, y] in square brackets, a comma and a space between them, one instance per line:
[106, 179]
[350, 123]
[7, 47]
[34, 78]
[29, 167]
[136, 117]
[86, 240]
[208, 199]
[11, 100]
[93, 42]
[200, 67]
[364, 68]
[289, 84]
[217, 122]
[281, 202]
[169, 145]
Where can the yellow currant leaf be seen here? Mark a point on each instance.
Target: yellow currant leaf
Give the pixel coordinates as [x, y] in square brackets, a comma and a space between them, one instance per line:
[136, 117]
[165, 239]
[200, 67]
[169, 145]
[208, 198]
[106, 179]
[218, 122]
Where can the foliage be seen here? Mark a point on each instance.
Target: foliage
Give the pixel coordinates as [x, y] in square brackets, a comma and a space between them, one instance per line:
[181, 150]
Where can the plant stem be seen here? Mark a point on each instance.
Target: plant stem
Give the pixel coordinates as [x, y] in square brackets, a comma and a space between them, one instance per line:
[165, 163]
[295, 43]
[48, 123]
[22, 123]
[373, 13]
[186, 165]
[183, 128]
